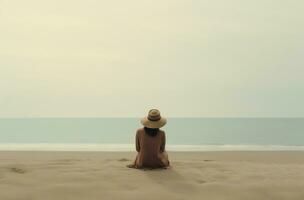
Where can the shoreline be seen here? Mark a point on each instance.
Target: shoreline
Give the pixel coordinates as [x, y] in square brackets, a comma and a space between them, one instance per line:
[91, 147]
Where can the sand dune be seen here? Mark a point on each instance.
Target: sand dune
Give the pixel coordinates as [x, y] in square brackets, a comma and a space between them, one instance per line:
[103, 175]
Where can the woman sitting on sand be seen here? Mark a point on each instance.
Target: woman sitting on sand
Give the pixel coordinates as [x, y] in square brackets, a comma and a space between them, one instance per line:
[150, 143]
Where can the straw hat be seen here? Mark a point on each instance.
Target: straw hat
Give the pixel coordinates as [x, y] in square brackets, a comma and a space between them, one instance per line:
[153, 120]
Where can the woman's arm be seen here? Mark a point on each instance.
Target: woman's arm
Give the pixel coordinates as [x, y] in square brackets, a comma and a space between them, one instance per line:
[137, 141]
[163, 144]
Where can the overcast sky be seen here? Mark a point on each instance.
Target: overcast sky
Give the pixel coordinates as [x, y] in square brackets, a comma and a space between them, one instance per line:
[189, 58]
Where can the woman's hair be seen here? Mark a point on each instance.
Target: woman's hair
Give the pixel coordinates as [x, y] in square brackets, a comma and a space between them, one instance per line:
[151, 131]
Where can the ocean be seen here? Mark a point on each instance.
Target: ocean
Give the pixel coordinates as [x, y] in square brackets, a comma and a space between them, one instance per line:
[107, 134]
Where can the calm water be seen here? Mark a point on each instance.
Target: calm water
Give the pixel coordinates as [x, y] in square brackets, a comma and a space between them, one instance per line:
[187, 131]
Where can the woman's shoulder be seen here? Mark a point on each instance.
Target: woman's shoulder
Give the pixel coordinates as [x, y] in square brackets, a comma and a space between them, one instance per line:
[140, 131]
[162, 132]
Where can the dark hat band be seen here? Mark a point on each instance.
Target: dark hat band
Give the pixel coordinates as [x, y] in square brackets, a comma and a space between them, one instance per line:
[154, 118]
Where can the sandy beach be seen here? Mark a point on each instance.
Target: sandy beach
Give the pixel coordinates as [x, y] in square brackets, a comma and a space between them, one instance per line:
[199, 175]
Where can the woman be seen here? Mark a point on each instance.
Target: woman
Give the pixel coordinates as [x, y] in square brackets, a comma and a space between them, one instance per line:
[150, 143]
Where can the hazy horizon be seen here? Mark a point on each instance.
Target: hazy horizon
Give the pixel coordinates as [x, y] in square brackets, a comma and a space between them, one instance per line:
[119, 59]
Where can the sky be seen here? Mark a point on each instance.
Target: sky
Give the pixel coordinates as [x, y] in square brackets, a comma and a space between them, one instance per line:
[188, 58]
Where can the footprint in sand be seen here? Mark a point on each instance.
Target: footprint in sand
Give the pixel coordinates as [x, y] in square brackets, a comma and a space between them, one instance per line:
[123, 160]
[17, 170]
[201, 181]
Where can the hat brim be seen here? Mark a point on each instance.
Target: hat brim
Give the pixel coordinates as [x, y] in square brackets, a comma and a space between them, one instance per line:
[153, 124]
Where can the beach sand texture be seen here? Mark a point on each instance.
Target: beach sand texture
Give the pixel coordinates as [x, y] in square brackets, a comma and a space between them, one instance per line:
[103, 175]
